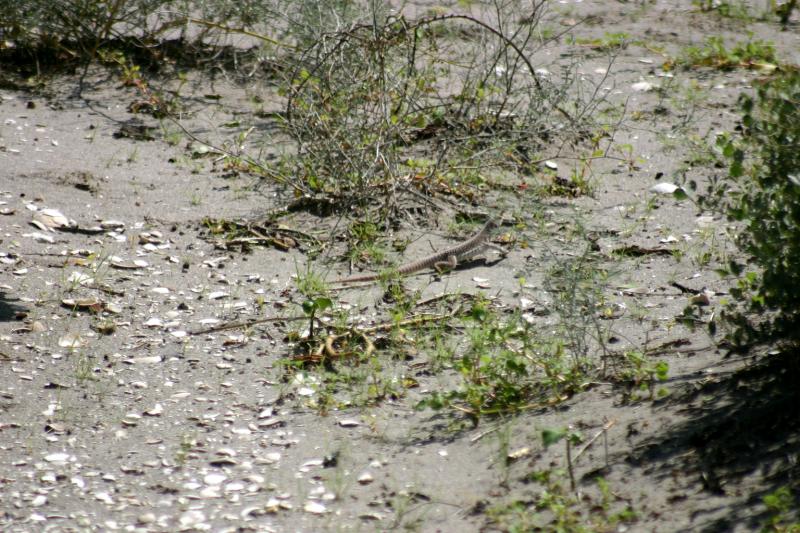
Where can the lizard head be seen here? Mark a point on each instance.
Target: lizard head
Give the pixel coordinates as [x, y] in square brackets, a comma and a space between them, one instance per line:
[491, 224]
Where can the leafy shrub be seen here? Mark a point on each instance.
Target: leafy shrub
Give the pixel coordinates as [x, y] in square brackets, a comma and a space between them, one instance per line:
[765, 177]
[77, 29]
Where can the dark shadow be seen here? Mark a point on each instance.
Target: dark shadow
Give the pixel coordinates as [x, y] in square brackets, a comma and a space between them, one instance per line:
[746, 423]
[10, 311]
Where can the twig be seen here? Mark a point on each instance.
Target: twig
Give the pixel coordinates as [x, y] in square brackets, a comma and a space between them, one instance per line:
[247, 324]
[605, 428]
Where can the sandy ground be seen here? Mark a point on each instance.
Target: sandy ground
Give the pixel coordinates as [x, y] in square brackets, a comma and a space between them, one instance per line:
[149, 429]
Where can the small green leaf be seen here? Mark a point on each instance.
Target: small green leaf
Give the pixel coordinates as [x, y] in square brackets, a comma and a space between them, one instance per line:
[662, 369]
[736, 169]
[323, 303]
[680, 194]
[575, 437]
[552, 436]
[478, 312]
[728, 149]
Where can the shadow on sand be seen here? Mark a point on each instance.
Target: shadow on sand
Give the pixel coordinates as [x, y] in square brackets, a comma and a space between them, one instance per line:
[10, 310]
[747, 423]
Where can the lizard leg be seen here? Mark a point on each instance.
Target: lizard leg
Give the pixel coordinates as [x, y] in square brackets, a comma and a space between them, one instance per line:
[502, 251]
[444, 266]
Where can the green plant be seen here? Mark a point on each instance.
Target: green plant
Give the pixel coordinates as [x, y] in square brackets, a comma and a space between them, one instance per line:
[504, 368]
[83, 366]
[640, 372]
[735, 9]
[752, 53]
[185, 446]
[312, 307]
[609, 41]
[783, 10]
[762, 193]
[782, 507]
[577, 286]
[558, 509]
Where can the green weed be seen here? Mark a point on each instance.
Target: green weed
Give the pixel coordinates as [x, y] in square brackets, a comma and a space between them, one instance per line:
[752, 53]
[556, 508]
[782, 507]
[608, 42]
[505, 367]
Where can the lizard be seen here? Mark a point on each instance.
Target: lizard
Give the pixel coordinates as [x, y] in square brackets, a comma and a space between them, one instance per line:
[444, 260]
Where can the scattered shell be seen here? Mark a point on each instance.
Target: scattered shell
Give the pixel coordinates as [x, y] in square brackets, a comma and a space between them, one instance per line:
[234, 487]
[80, 278]
[272, 457]
[57, 457]
[112, 224]
[552, 165]
[349, 423]
[226, 452]
[52, 219]
[635, 290]
[71, 340]
[191, 518]
[214, 479]
[157, 410]
[91, 304]
[482, 283]
[144, 360]
[146, 518]
[365, 478]
[642, 86]
[121, 264]
[664, 188]
[104, 497]
[216, 295]
[40, 237]
[315, 508]
[160, 290]
[312, 462]
[274, 505]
